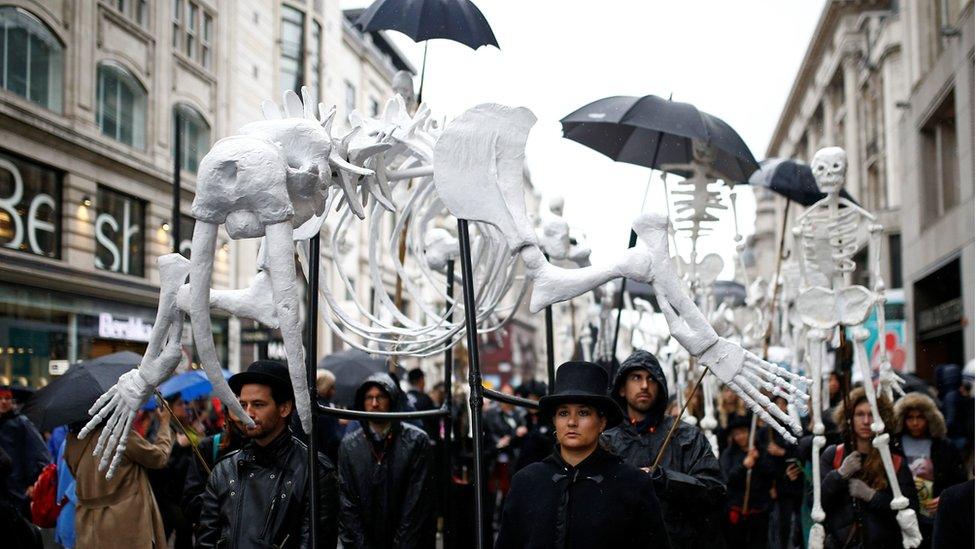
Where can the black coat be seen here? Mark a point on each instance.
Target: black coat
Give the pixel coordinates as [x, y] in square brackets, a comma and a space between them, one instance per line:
[601, 503]
[735, 477]
[28, 455]
[385, 491]
[257, 497]
[537, 442]
[500, 424]
[954, 521]
[880, 528]
[690, 485]
[196, 476]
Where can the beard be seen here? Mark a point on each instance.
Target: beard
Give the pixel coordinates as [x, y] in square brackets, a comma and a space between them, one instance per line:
[260, 430]
[642, 406]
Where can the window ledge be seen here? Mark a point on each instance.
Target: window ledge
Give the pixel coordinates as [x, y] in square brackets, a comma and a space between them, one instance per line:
[129, 25]
[194, 67]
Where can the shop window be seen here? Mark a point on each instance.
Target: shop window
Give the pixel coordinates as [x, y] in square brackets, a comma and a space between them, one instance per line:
[193, 31]
[121, 112]
[292, 60]
[940, 162]
[31, 58]
[120, 233]
[186, 234]
[195, 139]
[30, 207]
[136, 11]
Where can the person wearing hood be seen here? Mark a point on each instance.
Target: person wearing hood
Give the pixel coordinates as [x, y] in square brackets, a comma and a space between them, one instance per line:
[581, 496]
[688, 478]
[385, 490]
[932, 458]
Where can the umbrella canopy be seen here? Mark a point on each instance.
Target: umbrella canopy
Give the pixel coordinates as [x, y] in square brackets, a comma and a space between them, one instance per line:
[791, 179]
[457, 20]
[649, 131]
[351, 368]
[190, 385]
[68, 398]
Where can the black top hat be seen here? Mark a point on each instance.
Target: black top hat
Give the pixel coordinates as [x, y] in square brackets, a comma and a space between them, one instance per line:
[264, 372]
[582, 383]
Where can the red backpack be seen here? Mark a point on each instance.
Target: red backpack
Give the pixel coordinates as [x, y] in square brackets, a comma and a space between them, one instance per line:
[45, 506]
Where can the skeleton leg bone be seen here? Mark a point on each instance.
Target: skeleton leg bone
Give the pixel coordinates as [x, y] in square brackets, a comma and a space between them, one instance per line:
[817, 341]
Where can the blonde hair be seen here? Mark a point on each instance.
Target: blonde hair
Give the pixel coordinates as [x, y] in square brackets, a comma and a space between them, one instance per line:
[324, 381]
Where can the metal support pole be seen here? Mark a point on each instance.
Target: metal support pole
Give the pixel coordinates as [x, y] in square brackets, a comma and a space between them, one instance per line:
[620, 300]
[447, 421]
[474, 377]
[550, 351]
[174, 226]
[311, 359]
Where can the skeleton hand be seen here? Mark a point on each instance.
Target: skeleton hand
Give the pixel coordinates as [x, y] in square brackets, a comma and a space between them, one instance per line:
[743, 372]
[889, 382]
[121, 402]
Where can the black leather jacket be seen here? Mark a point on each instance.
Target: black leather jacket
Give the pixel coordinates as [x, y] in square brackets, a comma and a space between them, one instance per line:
[256, 497]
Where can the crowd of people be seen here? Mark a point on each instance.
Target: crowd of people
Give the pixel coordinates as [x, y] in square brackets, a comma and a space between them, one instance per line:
[605, 460]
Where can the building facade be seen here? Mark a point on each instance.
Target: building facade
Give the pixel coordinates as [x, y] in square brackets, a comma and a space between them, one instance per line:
[858, 88]
[91, 95]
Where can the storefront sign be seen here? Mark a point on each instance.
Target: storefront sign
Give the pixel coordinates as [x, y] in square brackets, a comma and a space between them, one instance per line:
[57, 367]
[130, 329]
[30, 207]
[942, 315]
[119, 231]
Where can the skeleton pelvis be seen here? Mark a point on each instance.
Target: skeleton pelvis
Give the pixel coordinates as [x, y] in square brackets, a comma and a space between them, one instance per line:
[824, 308]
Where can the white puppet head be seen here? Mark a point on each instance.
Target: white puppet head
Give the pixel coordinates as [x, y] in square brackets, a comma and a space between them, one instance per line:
[403, 86]
[830, 169]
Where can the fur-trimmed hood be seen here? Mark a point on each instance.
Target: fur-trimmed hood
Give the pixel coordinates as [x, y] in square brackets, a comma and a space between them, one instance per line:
[923, 403]
[856, 397]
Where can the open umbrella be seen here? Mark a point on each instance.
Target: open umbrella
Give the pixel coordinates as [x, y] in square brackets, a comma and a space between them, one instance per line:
[650, 131]
[791, 179]
[351, 368]
[68, 398]
[190, 385]
[457, 20]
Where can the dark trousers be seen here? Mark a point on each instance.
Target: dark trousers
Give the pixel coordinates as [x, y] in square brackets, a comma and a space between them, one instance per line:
[787, 527]
[748, 532]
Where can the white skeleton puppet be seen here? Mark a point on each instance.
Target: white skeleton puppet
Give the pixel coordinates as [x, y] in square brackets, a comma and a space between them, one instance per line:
[828, 235]
[264, 182]
[407, 156]
[477, 171]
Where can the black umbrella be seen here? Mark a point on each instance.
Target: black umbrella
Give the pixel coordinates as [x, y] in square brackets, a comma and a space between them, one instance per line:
[791, 179]
[351, 368]
[650, 131]
[422, 20]
[68, 398]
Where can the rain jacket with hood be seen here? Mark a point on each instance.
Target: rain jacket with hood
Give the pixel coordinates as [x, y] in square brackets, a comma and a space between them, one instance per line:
[689, 480]
[384, 485]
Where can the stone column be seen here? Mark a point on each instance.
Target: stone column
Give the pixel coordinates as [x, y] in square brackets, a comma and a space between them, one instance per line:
[852, 142]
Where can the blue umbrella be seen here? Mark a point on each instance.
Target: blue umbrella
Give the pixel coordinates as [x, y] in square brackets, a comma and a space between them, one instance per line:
[189, 385]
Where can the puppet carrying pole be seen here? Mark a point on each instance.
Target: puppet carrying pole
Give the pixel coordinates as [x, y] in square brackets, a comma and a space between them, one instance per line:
[767, 337]
[550, 349]
[630, 244]
[447, 422]
[311, 358]
[474, 377]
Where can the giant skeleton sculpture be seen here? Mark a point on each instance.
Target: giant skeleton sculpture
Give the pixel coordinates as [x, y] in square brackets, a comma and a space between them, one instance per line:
[279, 178]
[828, 235]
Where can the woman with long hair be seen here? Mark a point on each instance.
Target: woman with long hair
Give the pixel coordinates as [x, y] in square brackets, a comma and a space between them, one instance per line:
[855, 493]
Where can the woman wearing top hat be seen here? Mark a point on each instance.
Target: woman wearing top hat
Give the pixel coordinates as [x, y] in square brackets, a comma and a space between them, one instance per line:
[581, 496]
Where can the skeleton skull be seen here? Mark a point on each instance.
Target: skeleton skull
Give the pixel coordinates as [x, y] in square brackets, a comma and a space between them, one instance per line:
[830, 169]
[702, 152]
